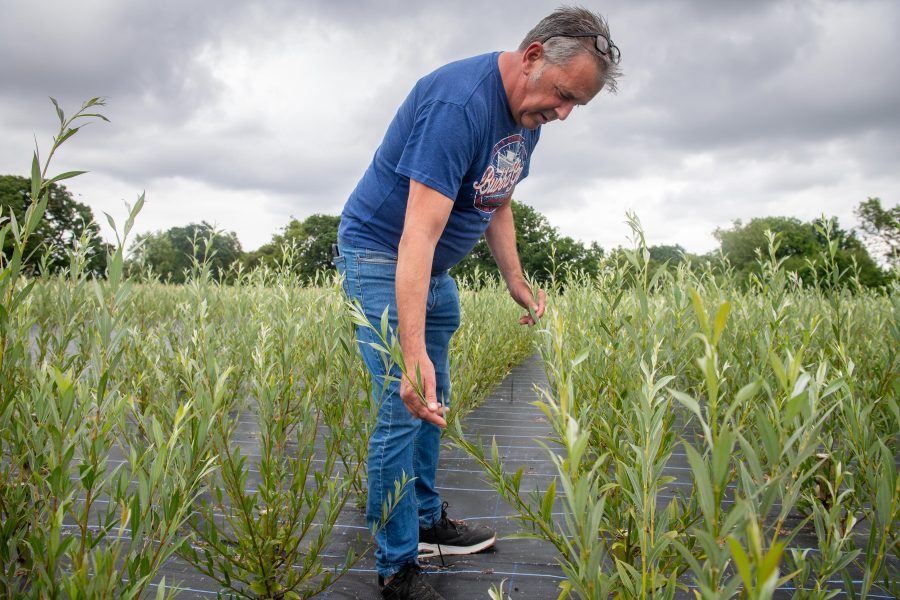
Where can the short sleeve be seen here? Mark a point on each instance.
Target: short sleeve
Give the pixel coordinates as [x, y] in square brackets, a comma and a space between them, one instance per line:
[440, 148]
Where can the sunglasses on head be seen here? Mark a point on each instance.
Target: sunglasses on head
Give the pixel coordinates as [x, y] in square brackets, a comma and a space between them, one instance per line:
[601, 43]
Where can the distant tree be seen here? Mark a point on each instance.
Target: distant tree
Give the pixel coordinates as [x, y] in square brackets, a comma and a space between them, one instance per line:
[311, 238]
[881, 228]
[171, 253]
[801, 246]
[541, 250]
[672, 256]
[742, 242]
[65, 222]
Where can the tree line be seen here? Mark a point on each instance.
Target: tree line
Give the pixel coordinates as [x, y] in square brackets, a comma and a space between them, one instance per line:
[305, 245]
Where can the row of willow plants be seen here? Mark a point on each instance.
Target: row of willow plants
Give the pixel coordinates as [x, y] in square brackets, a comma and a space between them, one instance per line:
[225, 426]
[714, 440]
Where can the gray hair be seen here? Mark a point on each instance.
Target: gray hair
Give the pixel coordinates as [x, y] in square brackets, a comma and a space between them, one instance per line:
[560, 50]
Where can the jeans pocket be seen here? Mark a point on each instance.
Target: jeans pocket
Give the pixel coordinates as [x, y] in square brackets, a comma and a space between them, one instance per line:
[377, 257]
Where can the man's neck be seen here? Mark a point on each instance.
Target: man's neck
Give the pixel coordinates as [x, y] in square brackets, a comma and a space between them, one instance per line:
[510, 65]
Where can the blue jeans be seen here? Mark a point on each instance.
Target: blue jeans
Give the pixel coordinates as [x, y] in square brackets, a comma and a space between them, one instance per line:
[400, 443]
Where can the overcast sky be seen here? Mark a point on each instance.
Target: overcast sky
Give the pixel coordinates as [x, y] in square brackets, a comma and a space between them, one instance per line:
[248, 113]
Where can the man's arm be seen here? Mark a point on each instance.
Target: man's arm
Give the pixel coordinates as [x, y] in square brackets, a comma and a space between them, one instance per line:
[427, 212]
[501, 238]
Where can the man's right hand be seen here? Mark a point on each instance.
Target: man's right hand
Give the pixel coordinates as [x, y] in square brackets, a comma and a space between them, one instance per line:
[427, 211]
[430, 410]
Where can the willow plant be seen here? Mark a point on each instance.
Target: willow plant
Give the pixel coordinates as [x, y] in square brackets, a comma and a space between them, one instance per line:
[77, 522]
[267, 521]
[776, 404]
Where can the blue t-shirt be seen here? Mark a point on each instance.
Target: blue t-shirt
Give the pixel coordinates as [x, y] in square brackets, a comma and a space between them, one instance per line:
[454, 133]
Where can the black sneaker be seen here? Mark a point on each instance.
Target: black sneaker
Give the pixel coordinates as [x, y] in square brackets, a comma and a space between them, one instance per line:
[408, 584]
[453, 537]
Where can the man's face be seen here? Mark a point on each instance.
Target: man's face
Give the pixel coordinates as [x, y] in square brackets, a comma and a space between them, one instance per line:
[553, 91]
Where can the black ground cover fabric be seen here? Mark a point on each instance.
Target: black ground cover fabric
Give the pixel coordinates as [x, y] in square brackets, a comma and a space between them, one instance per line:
[528, 566]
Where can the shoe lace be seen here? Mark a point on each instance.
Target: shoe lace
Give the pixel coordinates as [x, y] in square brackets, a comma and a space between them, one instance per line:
[444, 522]
[447, 522]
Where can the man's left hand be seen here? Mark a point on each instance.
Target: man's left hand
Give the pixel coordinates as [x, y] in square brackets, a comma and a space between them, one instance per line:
[526, 299]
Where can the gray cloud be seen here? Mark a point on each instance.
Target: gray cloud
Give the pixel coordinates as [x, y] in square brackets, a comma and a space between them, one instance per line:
[726, 110]
[135, 52]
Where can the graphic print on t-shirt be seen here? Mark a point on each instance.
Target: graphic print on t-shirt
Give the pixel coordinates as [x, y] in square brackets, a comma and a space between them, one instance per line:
[502, 173]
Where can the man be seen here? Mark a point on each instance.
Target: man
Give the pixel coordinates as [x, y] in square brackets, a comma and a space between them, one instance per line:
[442, 177]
